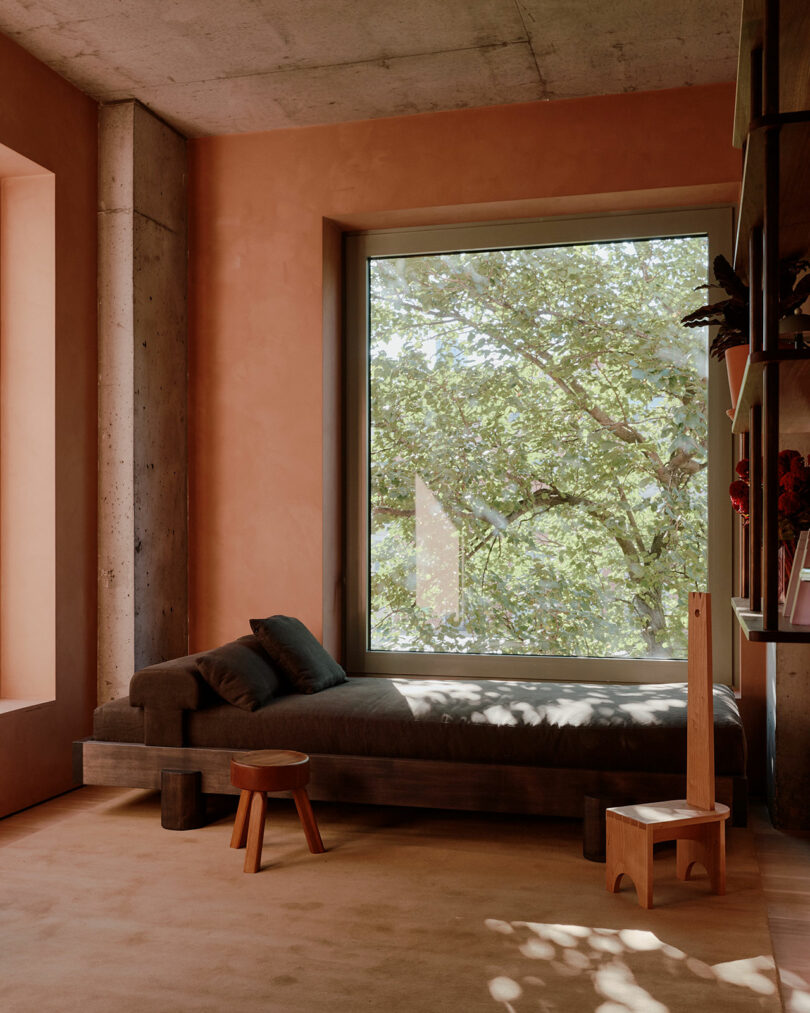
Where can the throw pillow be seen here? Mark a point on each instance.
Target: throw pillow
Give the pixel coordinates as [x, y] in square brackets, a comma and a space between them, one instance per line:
[241, 673]
[301, 659]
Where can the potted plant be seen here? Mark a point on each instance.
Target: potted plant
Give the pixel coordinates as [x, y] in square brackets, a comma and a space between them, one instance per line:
[731, 314]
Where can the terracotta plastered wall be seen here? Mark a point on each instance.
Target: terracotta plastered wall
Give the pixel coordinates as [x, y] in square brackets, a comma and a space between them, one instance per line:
[264, 340]
[49, 122]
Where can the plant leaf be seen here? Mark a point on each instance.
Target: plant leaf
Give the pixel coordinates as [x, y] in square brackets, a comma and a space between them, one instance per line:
[729, 279]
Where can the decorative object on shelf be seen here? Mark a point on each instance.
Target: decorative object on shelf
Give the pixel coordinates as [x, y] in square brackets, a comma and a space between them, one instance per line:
[794, 288]
[739, 491]
[793, 506]
[794, 494]
[794, 329]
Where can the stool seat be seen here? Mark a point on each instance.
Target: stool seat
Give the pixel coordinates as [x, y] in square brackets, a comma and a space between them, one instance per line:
[669, 815]
[270, 770]
[257, 773]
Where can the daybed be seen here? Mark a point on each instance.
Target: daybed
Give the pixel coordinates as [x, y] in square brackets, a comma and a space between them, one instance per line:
[524, 747]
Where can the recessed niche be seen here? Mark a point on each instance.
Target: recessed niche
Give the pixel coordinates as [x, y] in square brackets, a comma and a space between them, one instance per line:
[27, 432]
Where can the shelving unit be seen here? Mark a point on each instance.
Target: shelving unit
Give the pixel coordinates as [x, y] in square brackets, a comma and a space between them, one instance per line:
[772, 123]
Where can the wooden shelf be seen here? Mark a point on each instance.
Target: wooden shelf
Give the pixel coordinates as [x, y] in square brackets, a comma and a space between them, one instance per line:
[794, 393]
[794, 82]
[794, 207]
[751, 623]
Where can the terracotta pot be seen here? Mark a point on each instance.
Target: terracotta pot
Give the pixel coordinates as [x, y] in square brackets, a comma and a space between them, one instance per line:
[736, 360]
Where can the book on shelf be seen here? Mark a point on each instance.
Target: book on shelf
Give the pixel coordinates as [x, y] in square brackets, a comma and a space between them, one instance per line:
[793, 583]
[800, 614]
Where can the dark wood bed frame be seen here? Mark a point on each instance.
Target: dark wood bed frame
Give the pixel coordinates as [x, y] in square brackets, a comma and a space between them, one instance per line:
[546, 791]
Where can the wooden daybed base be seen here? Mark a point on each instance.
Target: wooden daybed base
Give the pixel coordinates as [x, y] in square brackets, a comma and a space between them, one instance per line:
[548, 791]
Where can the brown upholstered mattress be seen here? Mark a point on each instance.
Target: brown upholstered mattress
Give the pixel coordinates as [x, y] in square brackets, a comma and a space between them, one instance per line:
[572, 725]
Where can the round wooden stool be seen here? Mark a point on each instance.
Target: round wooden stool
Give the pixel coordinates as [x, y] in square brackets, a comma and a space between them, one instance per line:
[260, 772]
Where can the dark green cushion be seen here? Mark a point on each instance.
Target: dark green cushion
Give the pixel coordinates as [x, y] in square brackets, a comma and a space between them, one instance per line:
[301, 659]
[241, 672]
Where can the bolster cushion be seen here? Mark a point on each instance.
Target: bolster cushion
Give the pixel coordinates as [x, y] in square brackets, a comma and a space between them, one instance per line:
[168, 685]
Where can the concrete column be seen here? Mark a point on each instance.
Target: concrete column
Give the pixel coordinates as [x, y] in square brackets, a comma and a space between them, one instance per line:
[143, 450]
[788, 735]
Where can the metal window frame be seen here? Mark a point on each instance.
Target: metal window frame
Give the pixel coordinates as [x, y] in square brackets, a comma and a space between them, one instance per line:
[716, 223]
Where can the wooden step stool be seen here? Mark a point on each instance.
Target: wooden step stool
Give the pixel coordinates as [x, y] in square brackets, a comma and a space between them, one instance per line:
[697, 823]
[256, 774]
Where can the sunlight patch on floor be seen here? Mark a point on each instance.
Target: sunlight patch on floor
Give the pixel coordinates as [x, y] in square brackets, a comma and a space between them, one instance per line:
[603, 955]
[795, 992]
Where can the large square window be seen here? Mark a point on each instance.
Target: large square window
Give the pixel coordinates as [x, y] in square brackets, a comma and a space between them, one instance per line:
[531, 449]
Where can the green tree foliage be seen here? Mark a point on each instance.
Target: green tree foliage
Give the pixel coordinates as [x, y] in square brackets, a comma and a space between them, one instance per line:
[555, 408]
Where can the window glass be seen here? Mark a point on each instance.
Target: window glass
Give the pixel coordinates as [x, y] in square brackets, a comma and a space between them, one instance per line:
[538, 434]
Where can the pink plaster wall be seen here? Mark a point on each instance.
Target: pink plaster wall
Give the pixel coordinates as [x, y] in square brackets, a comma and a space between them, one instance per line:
[262, 315]
[49, 122]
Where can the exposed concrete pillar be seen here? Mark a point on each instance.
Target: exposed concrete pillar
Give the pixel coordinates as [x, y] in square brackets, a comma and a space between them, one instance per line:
[788, 735]
[143, 367]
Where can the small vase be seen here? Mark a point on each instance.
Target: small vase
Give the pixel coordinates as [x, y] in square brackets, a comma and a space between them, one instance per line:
[736, 360]
[787, 552]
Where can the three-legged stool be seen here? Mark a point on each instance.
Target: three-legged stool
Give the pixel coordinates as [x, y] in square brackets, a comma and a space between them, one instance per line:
[256, 774]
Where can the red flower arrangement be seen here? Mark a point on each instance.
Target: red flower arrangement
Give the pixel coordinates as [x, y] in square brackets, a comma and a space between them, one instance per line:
[794, 493]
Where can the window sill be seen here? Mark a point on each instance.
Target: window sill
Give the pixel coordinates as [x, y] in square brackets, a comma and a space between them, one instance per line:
[7, 705]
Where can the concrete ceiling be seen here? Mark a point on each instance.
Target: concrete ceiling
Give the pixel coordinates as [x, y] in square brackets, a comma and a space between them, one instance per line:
[230, 66]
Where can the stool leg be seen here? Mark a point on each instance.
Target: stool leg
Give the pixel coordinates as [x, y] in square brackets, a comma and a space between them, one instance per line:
[255, 834]
[594, 833]
[629, 853]
[640, 866]
[307, 817]
[716, 847]
[239, 835]
[708, 847]
[690, 850]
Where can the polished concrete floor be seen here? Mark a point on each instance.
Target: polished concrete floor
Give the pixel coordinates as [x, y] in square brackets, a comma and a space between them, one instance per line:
[783, 860]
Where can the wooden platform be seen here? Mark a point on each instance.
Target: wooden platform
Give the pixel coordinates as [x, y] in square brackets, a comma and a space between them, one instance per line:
[546, 791]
